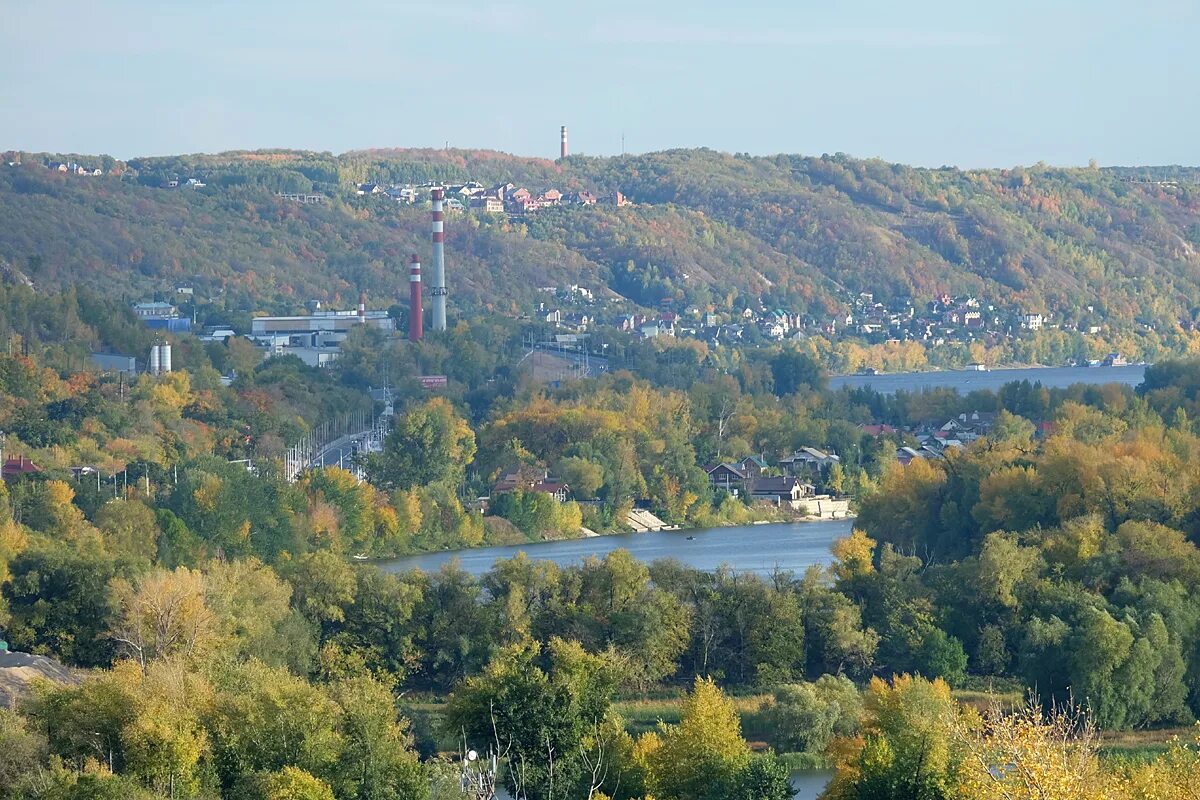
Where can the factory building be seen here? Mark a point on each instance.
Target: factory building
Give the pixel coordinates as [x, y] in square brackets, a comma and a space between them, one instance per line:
[314, 338]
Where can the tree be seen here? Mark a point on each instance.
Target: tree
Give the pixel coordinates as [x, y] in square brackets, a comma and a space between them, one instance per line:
[585, 477]
[908, 747]
[22, 748]
[322, 586]
[59, 602]
[792, 369]
[428, 443]
[537, 719]
[264, 719]
[1033, 754]
[252, 616]
[799, 720]
[162, 616]
[376, 761]
[764, 777]
[704, 754]
[291, 783]
[165, 742]
[130, 529]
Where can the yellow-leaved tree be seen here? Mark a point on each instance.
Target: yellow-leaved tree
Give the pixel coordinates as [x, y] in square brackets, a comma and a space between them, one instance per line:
[705, 749]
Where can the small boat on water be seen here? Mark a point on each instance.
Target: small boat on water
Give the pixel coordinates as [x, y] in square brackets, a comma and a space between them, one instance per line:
[690, 538]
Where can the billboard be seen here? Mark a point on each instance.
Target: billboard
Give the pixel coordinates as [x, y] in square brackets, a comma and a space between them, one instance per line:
[432, 381]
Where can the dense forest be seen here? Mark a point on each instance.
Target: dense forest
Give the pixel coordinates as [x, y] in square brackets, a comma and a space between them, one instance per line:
[706, 228]
[228, 645]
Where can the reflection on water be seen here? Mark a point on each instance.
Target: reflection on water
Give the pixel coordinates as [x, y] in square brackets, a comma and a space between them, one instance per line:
[749, 548]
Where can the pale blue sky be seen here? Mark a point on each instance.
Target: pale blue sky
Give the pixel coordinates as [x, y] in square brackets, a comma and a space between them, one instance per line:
[930, 83]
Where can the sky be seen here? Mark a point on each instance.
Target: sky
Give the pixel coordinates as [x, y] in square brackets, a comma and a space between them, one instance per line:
[964, 83]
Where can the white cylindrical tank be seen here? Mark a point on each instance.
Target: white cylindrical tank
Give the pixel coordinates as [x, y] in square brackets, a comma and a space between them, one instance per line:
[155, 360]
[164, 357]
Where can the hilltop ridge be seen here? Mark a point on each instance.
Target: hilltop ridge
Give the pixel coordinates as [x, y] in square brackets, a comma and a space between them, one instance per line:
[704, 228]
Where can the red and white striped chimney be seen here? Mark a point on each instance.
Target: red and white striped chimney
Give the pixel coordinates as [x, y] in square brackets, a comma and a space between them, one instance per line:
[563, 151]
[362, 306]
[416, 314]
[438, 290]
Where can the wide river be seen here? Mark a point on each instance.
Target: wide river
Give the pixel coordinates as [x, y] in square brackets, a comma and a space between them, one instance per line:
[763, 549]
[966, 381]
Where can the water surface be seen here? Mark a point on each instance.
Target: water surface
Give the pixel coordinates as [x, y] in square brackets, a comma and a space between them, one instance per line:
[762, 549]
[966, 381]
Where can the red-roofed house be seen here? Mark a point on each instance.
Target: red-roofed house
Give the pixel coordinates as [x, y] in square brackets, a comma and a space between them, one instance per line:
[16, 466]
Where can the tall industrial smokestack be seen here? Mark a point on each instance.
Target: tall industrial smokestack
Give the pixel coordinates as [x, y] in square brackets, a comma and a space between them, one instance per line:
[563, 152]
[362, 306]
[438, 290]
[416, 314]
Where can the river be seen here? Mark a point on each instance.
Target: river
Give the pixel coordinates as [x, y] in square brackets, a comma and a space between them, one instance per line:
[968, 380]
[762, 549]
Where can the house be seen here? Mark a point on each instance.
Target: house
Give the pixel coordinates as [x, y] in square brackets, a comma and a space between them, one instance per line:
[578, 320]
[529, 479]
[488, 205]
[614, 199]
[877, 430]
[18, 466]
[368, 188]
[1032, 322]
[808, 460]
[454, 204]
[550, 197]
[788, 490]
[752, 466]
[969, 426]
[195, 183]
[906, 455]
[581, 199]
[725, 476]
[155, 310]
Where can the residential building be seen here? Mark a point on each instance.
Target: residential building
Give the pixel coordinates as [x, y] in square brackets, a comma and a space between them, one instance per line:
[808, 460]
[781, 491]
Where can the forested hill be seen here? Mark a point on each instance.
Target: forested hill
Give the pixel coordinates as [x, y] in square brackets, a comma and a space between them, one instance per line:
[706, 228]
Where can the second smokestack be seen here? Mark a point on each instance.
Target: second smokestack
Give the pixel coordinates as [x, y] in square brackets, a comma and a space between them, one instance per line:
[438, 290]
[416, 314]
[563, 151]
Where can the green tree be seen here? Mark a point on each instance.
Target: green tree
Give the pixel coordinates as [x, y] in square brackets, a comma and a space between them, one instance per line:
[791, 369]
[538, 718]
[428, 443]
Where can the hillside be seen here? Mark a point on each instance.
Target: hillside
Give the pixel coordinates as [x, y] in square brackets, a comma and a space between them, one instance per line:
[706, 228]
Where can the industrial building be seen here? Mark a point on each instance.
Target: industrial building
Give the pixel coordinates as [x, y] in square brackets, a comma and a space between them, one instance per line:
[162, 317]
[314, 338]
